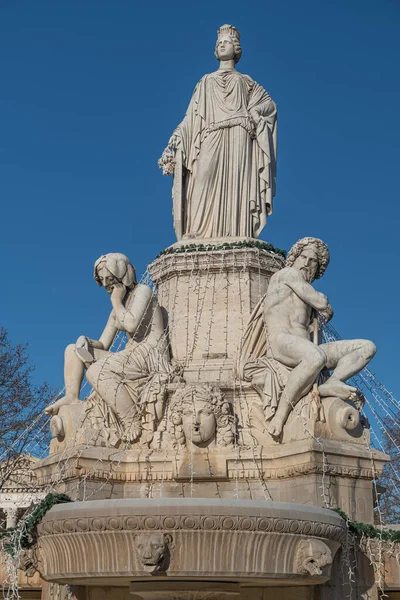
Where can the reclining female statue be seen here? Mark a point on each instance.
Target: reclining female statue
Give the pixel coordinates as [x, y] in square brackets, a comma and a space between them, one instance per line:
[131, 379]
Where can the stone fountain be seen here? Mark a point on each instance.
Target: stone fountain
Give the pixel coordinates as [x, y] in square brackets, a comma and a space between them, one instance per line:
[206, 459]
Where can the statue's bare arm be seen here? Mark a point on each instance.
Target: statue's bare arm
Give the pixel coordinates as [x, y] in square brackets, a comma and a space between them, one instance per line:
[109, 333]
[105, 340]
[130, 317]
[305, 291]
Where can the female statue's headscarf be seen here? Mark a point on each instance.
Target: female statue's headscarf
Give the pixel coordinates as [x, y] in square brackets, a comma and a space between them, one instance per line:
[118, 264]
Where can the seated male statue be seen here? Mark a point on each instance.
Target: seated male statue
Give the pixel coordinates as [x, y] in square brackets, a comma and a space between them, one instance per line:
[127, 380]
[277, 353]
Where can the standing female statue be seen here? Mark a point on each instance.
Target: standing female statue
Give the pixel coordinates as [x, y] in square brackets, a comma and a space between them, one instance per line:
[223, 154]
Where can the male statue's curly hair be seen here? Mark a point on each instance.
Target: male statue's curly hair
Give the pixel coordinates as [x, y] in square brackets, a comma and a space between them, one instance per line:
[320, 248]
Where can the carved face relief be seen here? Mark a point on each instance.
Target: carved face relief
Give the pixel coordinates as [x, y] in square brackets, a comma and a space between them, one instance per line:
[199, 414]
[198, 422]
[106, 278]
[312, 556]
[307, 263]
[27, 561]
[153, 550]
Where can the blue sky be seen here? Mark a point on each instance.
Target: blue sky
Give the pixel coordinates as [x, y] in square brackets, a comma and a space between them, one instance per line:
[91, 91]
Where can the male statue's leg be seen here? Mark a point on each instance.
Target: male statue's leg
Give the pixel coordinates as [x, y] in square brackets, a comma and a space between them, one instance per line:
[347, 358]
[308, 360]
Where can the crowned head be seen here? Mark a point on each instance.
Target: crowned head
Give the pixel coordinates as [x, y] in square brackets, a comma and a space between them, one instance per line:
[228, 44]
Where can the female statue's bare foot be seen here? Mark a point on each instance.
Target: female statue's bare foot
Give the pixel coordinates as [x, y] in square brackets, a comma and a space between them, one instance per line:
[337, 389]
[53, 409]
[275, 426]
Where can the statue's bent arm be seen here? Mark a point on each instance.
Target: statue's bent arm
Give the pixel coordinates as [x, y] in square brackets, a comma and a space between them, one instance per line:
[265, 109]
[131, 317]
[109, 332]
[105, 340]
[306, 292]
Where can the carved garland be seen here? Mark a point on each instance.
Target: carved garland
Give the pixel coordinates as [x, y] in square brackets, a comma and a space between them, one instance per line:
[225, 246]
[369, 531]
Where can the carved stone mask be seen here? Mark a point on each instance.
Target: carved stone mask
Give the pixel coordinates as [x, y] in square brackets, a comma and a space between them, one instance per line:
[199, 423]
[153, 551]
[200, 415]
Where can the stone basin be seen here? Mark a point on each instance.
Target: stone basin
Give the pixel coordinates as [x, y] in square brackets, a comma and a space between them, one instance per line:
[252, 543]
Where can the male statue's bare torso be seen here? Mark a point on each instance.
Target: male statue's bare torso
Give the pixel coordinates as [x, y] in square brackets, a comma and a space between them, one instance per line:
[288, 311]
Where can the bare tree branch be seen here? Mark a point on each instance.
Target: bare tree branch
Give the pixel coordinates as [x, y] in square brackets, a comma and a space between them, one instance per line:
[21, 404]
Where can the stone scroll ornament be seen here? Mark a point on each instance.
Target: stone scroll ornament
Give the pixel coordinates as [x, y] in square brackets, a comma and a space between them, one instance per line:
[130, 384]
[223, 153]
[199, 414]
[277, 354]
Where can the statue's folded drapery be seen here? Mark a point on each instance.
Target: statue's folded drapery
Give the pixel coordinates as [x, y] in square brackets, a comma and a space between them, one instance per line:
[227, 182]
[257, 364]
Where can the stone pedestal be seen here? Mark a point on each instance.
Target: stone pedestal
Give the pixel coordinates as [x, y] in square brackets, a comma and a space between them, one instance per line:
[314, 472]
[208, 297]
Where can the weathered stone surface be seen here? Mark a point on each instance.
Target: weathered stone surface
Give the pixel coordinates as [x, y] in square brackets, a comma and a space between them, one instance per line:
[310, 471]
[208, 297]
[186, 590]
[97, 541]
[55, 591]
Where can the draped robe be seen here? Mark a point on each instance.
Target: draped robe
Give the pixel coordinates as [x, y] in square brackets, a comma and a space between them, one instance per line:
[225, 163]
